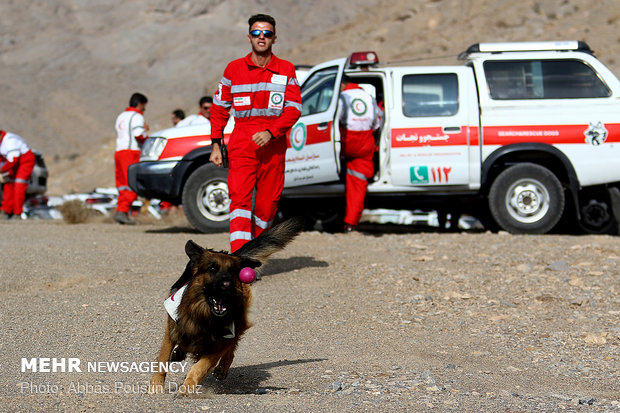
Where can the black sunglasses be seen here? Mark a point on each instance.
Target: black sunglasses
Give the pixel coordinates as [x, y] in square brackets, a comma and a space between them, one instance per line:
[267, 33]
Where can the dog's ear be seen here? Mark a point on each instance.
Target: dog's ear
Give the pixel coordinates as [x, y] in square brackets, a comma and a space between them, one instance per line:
[193, 251]
[249, 262]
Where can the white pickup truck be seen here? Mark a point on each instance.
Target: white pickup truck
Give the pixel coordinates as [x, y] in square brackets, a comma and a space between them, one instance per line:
[520, 135]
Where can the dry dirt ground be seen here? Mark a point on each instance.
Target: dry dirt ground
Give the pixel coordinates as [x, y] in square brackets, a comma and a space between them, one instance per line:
[387, 319]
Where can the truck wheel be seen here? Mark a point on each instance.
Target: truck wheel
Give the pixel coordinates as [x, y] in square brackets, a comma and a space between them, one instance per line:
[205, 198]
[526, 199]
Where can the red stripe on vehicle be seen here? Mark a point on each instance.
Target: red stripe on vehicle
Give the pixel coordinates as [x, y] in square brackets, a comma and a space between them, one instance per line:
[549, 134]
[474, 136]
[501, 135]
[318, 135]
[179, 147]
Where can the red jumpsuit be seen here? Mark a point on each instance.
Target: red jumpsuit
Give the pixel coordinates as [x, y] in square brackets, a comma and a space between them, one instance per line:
[259, 99]
[359, 118]
[18, 163]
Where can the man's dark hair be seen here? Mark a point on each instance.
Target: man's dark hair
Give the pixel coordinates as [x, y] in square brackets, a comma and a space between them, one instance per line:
[137, 98]
[179, 114]
[265, 18]
[207, 99]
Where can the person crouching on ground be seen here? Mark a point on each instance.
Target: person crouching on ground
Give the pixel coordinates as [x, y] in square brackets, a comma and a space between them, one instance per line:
[17, 163]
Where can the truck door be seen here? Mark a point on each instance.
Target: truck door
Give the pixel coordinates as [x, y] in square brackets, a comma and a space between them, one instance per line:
[434, 128]
[313, 154]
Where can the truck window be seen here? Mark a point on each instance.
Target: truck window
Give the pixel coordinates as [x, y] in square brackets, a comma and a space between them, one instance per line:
[318, 90]
[430, 95]
[543, 79]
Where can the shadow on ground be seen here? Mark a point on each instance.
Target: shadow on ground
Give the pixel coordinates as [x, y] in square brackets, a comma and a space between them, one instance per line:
[248, 379]
[366, 228]
[381, 229]
[279, 265]
[182, 230]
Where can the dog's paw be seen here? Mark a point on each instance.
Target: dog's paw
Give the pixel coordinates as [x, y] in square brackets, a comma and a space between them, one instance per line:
[157, 385]
[220, 373]
[188, 390]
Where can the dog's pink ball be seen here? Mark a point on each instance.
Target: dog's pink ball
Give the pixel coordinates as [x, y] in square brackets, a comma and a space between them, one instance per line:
[247, 275]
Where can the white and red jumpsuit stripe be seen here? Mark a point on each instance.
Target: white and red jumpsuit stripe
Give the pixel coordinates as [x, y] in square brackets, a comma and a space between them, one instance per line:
[259, 99]
[130, 134]
[18, 161]
[359, 116]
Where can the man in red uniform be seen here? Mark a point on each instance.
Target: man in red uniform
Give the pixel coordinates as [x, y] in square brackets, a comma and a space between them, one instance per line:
[359, 117]
[16, 165]
[262, 93]
[130, 134]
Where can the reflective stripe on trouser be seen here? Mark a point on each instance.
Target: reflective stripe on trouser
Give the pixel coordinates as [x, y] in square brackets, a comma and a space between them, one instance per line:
[240, 226]
[358, 150]
[14, 192]
[266, 174]
[122, 160]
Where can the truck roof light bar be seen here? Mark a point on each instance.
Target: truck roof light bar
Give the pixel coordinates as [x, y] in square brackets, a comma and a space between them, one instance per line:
[358, 59]
[500, 47]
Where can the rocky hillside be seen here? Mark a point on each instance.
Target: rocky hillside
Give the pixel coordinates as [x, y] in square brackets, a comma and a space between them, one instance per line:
[68, 67]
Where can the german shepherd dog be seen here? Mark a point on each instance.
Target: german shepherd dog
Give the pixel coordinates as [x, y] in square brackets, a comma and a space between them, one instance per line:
[213, 311]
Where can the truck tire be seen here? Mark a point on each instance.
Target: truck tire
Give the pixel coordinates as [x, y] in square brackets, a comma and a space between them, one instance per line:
[526, 199]
[205, 198]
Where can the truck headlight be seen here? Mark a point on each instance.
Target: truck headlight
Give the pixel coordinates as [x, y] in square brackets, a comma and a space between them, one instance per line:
[152, 148]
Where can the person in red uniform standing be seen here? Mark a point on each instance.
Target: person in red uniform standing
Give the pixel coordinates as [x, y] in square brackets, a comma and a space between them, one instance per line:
[261, 91]
[16, 164]
[359, 117]
[130, 134]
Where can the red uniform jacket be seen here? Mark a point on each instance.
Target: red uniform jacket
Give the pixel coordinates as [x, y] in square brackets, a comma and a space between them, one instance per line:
[258, 98]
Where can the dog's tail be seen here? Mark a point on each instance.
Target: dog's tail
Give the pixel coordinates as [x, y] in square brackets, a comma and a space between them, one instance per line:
[271, 240]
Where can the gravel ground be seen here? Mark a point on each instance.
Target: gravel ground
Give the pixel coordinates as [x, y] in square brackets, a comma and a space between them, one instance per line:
[380, 320]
